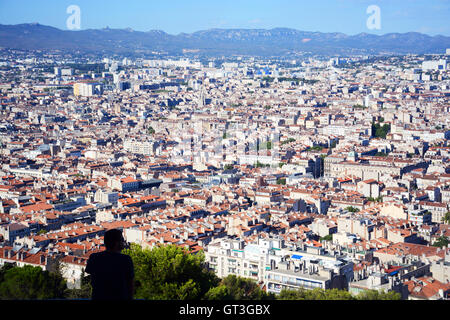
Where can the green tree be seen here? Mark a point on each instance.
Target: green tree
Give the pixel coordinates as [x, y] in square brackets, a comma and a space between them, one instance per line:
[335, 294]
[379, 131]
[328, 237]
[377, 199]
[233, 287]
[281, 181]
[3, 270]
[442, 241]
[287, 141]
[220, 292]
[261, 165]
[31, 283]
[446, 217]
[292, 294]
[315, 294]
[352, 209]
[378, 295]
[170, 273]
[151, 130]
[381, 154]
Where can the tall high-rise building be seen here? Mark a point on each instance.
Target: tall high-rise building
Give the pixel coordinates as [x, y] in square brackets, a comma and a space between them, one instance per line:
[87, 89]
[201, 100]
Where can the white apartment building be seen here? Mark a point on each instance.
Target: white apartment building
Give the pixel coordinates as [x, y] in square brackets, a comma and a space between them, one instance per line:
[87, 89]
[277, 266]
[140, 147]
[103, 196]
[21, 172]
[419, 217]
[441, 269]
[252, 159]
[229, 256]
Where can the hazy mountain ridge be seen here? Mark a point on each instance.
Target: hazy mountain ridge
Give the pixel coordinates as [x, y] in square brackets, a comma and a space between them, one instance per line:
[275, 41]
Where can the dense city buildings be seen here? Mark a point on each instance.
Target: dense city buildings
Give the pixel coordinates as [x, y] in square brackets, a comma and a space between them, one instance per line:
[318, 172]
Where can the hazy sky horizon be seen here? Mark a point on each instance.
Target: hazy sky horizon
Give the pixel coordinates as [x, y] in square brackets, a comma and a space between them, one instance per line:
[174, 17]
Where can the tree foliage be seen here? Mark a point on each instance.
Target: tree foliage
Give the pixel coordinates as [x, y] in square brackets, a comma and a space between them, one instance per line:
[233, 287]
[381, 154]
[328, 237]
[352, 209]
[314, 294]
[30, 283]
[287, 141]
[378, 295]
[336, 294]
[228, 167]
[377, 199]
[220, 292]
[446, 217]
[442, 241]
[170, 273]
[3, 270]
[261, 165]
[380, 131]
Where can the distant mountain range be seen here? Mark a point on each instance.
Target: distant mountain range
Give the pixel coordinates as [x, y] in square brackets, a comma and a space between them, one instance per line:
[273, 42]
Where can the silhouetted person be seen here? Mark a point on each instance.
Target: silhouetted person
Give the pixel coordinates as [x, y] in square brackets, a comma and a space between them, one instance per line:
[112, 273]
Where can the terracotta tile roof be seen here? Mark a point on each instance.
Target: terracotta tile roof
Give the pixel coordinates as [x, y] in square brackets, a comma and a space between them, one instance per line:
[36, 207]
[426, 287]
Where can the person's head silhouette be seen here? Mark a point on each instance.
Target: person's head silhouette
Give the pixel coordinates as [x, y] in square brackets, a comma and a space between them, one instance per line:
[114, 241]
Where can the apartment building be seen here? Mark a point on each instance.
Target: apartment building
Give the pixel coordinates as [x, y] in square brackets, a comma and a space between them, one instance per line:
[232, 256]
[270, 262]
[146, 148]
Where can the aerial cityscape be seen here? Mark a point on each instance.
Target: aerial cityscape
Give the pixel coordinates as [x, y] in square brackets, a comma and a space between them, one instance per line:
[323, 169]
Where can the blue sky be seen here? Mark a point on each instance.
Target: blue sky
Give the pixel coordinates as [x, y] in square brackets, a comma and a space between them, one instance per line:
[175, 16]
